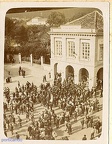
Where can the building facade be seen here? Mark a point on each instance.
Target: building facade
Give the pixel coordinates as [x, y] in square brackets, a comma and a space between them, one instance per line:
[37, 21]
[77, 49]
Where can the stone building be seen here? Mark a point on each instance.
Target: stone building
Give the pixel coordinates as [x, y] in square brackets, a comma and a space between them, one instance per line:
[77, 49]
[37, 21]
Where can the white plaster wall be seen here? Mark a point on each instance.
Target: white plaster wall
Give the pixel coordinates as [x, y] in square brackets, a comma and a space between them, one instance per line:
[99, 40]
[76, 59]
[92, 65]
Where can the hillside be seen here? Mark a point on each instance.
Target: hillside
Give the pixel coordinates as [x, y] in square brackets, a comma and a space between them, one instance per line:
[68, 12]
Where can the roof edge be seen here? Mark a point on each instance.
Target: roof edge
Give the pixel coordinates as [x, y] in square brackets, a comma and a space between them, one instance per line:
[84, 16]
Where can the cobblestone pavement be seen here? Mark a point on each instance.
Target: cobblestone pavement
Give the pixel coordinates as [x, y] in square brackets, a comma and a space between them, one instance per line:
[35, 74]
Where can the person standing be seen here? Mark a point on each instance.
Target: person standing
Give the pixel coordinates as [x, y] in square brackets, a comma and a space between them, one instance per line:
[101, 94]
[24, 73]
[20, 121]
[84, 138]
[20, 71]
[82, 123]
[27, 138]
[11, 128]
[49, 75]
[54, 134]
[17, 136]
[69, 128]
[9, 73]
[44, 78]
[18, 84]
[27, 116]
[75, 116]
[92, 133]
[5, 132]
[14, 121]
[29, 130]
[91, 121]
[57, 122]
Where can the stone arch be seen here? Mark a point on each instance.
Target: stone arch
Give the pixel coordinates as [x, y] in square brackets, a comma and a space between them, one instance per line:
[100, 78]
[83, 75]
[69, 71]
[100, 74]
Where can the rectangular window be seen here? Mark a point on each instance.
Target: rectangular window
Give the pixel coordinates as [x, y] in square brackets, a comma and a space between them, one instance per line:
[58, 47]
[101, 52]
[85, 50]
[71, 49]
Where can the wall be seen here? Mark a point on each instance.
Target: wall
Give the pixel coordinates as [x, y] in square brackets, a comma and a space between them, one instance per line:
[63, 61]
[47, 67]
[77, 39]
[99, 40]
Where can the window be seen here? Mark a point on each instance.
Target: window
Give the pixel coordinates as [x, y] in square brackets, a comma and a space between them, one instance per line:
[71, 48]
[85, 50]
[101, 52]
[58, 46]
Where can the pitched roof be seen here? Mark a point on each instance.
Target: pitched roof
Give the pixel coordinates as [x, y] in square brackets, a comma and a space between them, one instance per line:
[93, 20]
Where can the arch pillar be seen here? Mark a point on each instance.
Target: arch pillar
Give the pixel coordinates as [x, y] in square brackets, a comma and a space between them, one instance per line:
[52, 73]
[63, 74]
[54, 70]
[76, 76]
[92, 78]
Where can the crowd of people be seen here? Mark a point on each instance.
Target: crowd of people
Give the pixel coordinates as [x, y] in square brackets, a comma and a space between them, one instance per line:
[76, 102]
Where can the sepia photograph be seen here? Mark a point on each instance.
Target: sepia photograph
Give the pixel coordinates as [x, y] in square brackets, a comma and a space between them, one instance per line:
[53, 73]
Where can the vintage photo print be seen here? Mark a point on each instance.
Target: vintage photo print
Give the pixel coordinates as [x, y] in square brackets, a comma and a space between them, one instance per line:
[54, 72]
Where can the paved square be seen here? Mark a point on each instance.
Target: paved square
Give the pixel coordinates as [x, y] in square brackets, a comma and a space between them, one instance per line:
[35, 74]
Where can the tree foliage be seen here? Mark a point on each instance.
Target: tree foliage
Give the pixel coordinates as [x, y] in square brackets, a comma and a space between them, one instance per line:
[20, 35]
[9, 27]
[31, 39]
[56, 19]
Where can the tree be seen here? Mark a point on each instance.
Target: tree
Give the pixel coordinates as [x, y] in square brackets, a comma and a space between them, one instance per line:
[26, 39]
[15, 34]
[9, 27]
[56, 19]
[20, 34]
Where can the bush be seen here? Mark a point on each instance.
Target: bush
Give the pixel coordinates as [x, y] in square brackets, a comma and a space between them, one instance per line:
[26, 59]
[34, 60]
